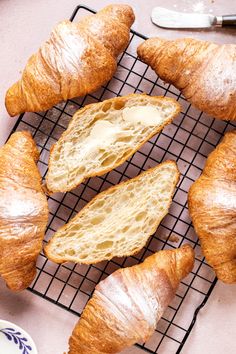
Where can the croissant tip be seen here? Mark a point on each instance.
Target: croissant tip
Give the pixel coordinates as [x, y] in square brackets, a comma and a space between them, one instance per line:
[18, 281]
[184, 260]
[8, 104]
[146, 47]
[123, 11]
[226, 272]
[12, 102]
[23, 141]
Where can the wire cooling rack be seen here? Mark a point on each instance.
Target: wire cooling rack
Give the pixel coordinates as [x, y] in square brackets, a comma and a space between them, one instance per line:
[188, 140]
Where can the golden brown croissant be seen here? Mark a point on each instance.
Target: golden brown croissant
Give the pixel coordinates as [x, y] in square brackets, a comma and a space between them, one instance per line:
[205, 72]
[212, 206]
[77, 59]
[23, 211]
[127, 305]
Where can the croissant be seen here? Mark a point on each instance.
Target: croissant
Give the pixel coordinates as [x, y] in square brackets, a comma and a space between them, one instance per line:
[77, 59]
[103, 135]
[127, 305]
[212, 206]
[205, 72]
[119, 221]
[23, 211]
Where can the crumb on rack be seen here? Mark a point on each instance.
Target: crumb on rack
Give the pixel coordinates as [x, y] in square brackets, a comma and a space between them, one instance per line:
[171, 238]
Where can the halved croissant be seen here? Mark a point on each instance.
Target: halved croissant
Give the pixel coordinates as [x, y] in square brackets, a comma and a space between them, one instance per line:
[205, 72]
[118, 221]
[127, 305]
[77, 59]
[23, 211]
[103, 135]
[212, 206]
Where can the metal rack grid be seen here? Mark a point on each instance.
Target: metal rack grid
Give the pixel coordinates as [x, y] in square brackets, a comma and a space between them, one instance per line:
[188, 140]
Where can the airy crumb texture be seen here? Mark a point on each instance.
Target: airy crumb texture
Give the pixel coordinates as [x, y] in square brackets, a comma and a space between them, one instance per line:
[103, 135]
[119, 221]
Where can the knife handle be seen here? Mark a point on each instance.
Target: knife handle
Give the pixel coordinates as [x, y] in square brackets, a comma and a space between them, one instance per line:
[229, 21]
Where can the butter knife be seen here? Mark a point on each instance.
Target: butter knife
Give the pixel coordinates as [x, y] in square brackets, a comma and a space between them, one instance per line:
[172, 19]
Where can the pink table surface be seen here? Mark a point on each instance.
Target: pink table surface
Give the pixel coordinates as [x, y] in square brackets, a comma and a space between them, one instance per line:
[23, 26]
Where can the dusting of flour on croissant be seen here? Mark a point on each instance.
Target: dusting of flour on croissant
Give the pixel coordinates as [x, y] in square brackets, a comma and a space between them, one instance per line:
[76, 59]
[205, 72]
[212, 206]
[127, 305]
[23, 211]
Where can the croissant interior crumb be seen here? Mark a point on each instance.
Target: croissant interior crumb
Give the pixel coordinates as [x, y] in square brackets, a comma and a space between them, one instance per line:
[102, 137]
[119, 221]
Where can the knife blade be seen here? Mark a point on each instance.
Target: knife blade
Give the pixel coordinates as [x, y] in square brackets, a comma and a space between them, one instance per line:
[172, 19]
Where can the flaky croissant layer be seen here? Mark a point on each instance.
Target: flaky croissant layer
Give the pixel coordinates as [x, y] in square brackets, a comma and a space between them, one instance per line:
[127, 305]
[77, 59]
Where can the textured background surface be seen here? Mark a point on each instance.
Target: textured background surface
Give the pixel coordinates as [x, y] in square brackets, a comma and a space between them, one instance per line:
[23, 26]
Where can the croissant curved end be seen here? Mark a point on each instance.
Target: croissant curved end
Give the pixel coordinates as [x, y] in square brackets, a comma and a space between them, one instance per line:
[13, 101]
[184, 261]
[124, 12]
[19, 280]
[226, 272]
[24, 142]
[146, 50]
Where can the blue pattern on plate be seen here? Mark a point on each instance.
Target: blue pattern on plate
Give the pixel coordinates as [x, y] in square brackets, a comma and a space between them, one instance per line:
[16, 337]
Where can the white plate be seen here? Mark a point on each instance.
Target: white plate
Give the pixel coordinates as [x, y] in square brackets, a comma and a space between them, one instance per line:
[14, 340]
